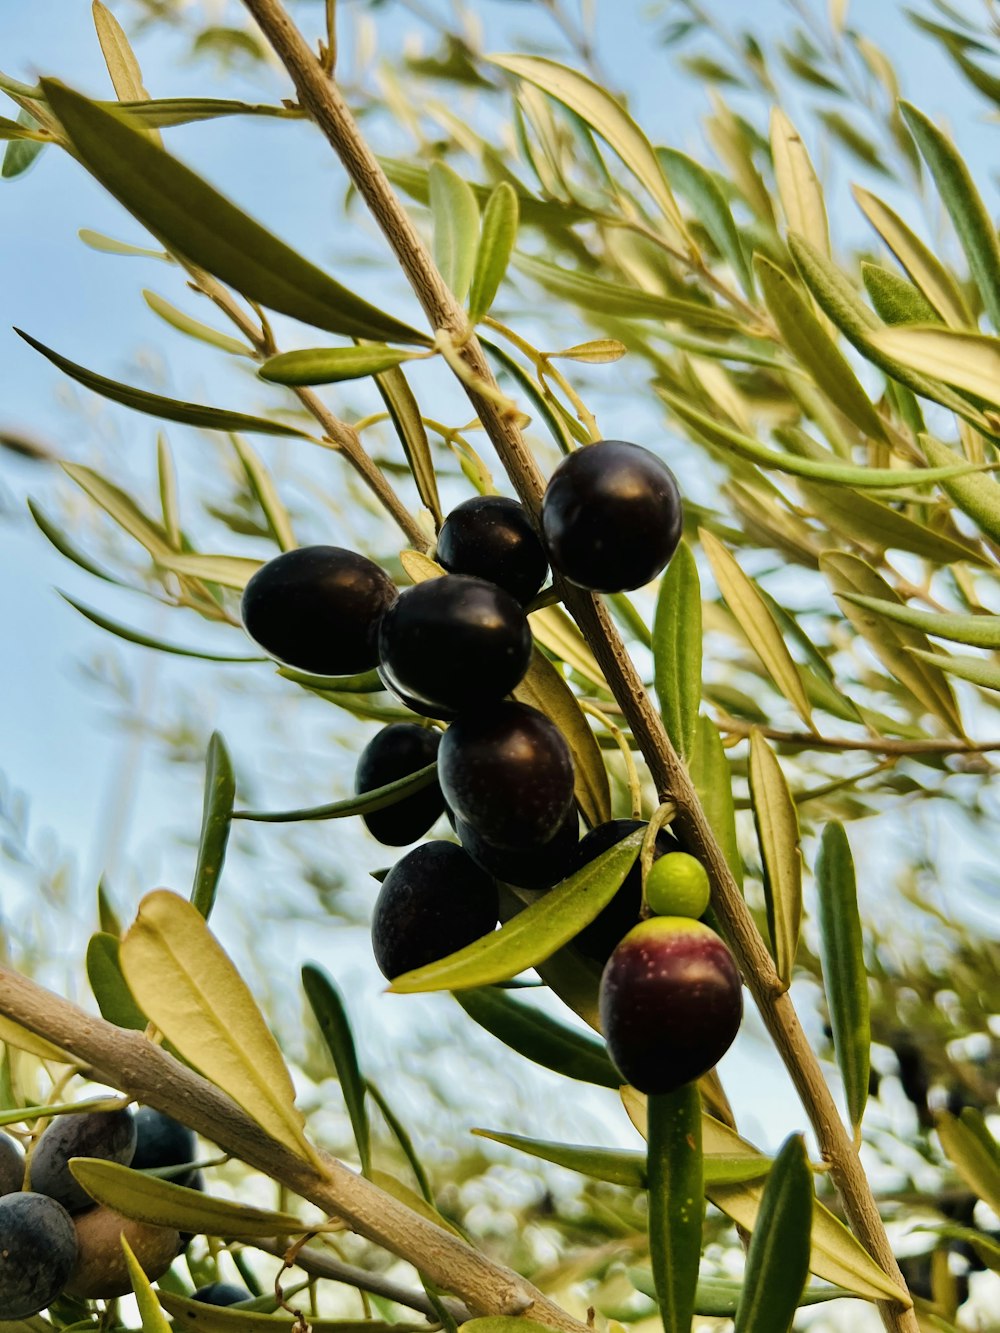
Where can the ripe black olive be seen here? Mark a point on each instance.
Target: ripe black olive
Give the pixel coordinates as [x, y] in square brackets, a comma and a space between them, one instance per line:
[318, 608]
[453, 643]
[432, 902]
[491, 537]
[508, 773]
[221, 1293]
[613, 923]
[37, 1253]
[611, 516]
[538, 867]
[163, 1141]
[110, 1135]
[11, 1165]
[398, 750]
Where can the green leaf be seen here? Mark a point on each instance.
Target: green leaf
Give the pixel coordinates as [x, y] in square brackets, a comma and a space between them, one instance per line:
[798, 185]
[554, 630]
[496, 245]
[230, 571]
[719, 1298]
[973, 1152]
[700, 188]
[976, 670]
[404, 410]
[967, 360]
[536, 933]
[757, 623]
[21, 153]
[604, 115]
[331, 365]
[539, 1038]
[188, 986]
[216, 821]
[109, 246]
[201, 1317]
[398, 1131]
[974, 631]
[121, 508]
[148, 1198]
[777, 1266]
[855, 140]
[368, 802]
[966, 209]
[844, 975]
[896, 300]
[713, 781]
[932, 277]
[890, 642]
[166, 112]
[126, 76]
[10, 129]
[148, 640]
[616, 298]
[808, 341]
[676, 1202]
[114, 999]
[976, 494]
[266, 493]
[544, 688]
[186, 214]
[106, 914]
[850, 514]
[677, 650]
[154, 404]
[194, 328]
[558, 429]
[777, 822]
[55, 534]
[150, 1312]
[456, 227]
[327, 1004]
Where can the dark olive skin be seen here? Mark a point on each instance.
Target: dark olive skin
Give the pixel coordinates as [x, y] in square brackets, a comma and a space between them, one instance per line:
[318, 609]
[11, 1165]
[491, 537]
[507, 772]
[612, 924]
[611, 516]
[162, 1141]
[454, 643]
[538, 867]
[397, 751]
[432, 902]
[221, 1293]
[671, 1003]
[37, 1253]
[110, 1135]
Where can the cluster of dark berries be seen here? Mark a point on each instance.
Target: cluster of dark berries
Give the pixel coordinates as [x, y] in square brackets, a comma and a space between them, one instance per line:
[453, 648]
[54, 1240]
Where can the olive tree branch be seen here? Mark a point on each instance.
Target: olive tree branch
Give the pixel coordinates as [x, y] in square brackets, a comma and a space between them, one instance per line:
[808, 740]
[322, 99]
[127, 1061]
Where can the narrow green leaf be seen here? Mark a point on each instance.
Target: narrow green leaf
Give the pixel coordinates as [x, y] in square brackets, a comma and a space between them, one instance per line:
[718, 1298]
[120, 507]
[456, 227]
[976, 494]
[967, 360]
[327, 1004]
[150, 1311]
[230, 571]
[331, 365]
[149, 640]
[701, 190]
[216, 821]
[55, 534]
[126, 76]
[539, 1038]
[21, 153]
[166, 472]
[166, 112]
[596, 352]
[201, 1317]
[194, 328]
[106, 914]
[27, 1114]
[554, 630]
[798, 185]
[757, 623]
[399, 1133]
[558, 428]
[536, 933]
[186, 214]
[607, 117]
[924, 268]
[154, 404]
[966, 209]
[896, 300]
[891, 642]
[10, 129]
[812, 347]
[844, 975]
[259, 480]
[777, 822]
[376, 799]
[976, 670]
[496, 245]
[109, 246]
[404, 410]
[626, 1168]
[677, 650]
[974, 631]
[114, 999]
[777, 1266]
[711, 775]
[676, 1202]
[970, 1148]
[850, 514]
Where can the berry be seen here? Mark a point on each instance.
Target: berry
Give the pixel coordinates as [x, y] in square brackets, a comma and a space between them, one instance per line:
[612, 923]
[531, 867]
[318, 609]
[611, 516]
[398, 750]
[677, 885]
[491, 538]
[221, 1293]
[432, 902]
[11, 1165]
[37, 1253]
[507, 772]
[453, 643]
[110, 1135]
[162, 1141]
[670, 1003]
[101, 1270]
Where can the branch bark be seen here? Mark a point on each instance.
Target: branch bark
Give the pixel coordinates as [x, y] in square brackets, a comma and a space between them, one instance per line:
[132, 1064]
[321, 98]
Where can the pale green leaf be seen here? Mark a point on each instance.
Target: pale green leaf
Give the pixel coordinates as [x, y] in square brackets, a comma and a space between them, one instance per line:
[777, 1266]
[496, 245]
[976, 670]
[597, 352]
[677, 650]
[973, 1152]
[712, 777]
[973, 631]
[260, 482]
[976, 494]
[194, 328]
[798, 185]
[230, 571]
[895, 300]
[850, 514]
[456, 227]
[109, 246]
[969, 361]
[777, 823]
[331, 365]
[404, 411]
[150, 1311]
[554, 630]
[216, 822]
[118, 55]
[704, 194]
[149, 640]
[120, 507]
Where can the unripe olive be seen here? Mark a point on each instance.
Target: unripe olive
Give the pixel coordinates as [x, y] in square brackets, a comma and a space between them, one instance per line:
[677, 885]
[612, 923]
[101, 1270]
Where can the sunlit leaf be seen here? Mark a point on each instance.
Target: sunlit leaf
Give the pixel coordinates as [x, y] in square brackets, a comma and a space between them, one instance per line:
[166, 112]
[266, 493]
[676, 1202]
[229, 571]
[973, 1152]
[777, 823]
[701, 190]
[597, 352]
[216, 821]
[777, 1266]
[712, 777]
[974, 631]
[496, 244]
[976, 670]
[718, 1297]
[21, 153]
[13, 1034]
[976, 494]
[194, 328]
[850, 514]
[150, 1312]
[331, 365]
[554, 630]
[798, 185]
[677, 650]
[108, 245]
[327, 1005]
[404, 411]
[455, 213]
[896, 300]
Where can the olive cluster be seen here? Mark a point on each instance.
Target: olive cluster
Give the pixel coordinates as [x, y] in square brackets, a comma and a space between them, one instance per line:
[453, 649]
[54, 1240]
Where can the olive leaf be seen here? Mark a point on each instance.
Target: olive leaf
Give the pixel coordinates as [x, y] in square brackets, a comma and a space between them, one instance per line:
[362, 804]
[110, 990]
[331, 365]
[676, 1186]
[496, 245]
[150, 1311]
[327, 1005]
[404, 410]
[704, 194]
[456, 227]
[799, 189]
[969, 361]
[266, 493]
[194, 328]
[200, 1317]
[976, 494]
[713, 782]
[777, 823]
[973, 1152]
[677, 650]
[777, 1267]
[216, 822]
[149, 640]
[976, 670]
[975, 631]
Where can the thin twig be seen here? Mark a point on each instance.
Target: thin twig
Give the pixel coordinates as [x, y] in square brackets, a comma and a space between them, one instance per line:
[808, 740]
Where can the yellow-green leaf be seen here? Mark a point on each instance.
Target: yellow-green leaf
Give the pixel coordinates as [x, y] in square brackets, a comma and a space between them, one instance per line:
[230, 571]
[777, 822]
[260, 482]
[182, 978]
[976, 670]
[677, 650]
[712, 777]
[404, 410]
[194, 328]
[12, 1034]
[970, 361]
[798, 185]
[150, 1311]
[973, 631]
[201, 1317]
[850, 514]
[976, 494]
[496, 244]
[554, 630]
[331, 365]
[973, 1152]
[456, 227]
